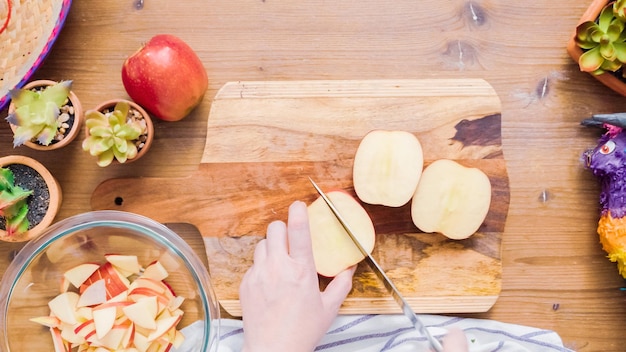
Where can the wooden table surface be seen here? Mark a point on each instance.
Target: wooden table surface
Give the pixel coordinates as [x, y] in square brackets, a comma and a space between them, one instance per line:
[555, 275]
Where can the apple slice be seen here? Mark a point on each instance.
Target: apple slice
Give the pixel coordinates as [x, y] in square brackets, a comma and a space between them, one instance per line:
[155, 271]
[104, 319]
[179, 338]
[121, 297]
[387, 167]
[141, 342]
[87, 328]
[175, 302]
[149, 283]
[126, 264]
[59, 344]
[114, 339]
[47, 320]
[333, 250]
[84, 313]
[143, 312]
[116, 283]
[451, 199]
[64, 285]
[70, 336]
[96, 293]
[80, 273]
[63, 306]
[163, 326]
[128, 339]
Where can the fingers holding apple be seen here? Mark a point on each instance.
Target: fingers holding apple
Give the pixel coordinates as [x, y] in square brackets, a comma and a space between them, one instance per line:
[166, 77]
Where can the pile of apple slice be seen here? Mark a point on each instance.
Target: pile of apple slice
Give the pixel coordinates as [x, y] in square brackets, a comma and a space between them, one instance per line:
[115, 306]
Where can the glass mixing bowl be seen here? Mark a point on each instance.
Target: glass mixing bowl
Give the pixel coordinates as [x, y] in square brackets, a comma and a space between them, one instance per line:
[33, 278]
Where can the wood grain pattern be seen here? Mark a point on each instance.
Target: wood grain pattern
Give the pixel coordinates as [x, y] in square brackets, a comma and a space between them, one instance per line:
[265, 138]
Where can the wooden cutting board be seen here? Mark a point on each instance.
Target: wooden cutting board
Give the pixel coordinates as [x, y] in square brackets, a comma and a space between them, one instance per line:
[265, 138]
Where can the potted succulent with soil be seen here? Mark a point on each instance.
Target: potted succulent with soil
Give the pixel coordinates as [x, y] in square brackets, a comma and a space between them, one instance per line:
[599, 43]
[118, 130]
[30, 198]
[44, 115]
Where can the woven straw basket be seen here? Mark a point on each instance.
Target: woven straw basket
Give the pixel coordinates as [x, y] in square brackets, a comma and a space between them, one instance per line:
[32, 29]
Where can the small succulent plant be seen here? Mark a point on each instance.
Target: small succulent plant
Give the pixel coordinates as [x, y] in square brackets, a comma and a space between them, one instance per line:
[113, 134]
[603, 41]
[13, 206]
[37, 113]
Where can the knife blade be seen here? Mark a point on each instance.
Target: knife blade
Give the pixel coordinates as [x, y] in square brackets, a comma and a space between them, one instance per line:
[382, 276]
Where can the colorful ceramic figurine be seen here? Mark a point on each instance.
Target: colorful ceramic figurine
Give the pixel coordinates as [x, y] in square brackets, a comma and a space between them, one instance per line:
[607, 161]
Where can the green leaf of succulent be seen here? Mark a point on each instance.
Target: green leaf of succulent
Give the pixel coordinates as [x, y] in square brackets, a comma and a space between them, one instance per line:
[132, 150]
[619, 9]
[620, 51]
[101, 131]
[121, 145]
[605, 18]
[597, 35]
[591, 60]
[11, 202]
[610, 66]
[120, 156]
[93, 116]
[121, 109]
[18, 223]
[46, 135]
[13, 206]
[23, 97]
[100, 145]
[115, 119]
[6, 179]
[615, 30]
[57, 93]
[19, 116]
[24, 134]
[607, 50]
[129, 153]
[129, 132]
[105, 158]
[583, 35]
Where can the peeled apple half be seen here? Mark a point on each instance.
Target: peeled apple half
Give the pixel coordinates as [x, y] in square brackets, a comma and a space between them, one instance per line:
[333, 249]
[451, 199]
[387, 167]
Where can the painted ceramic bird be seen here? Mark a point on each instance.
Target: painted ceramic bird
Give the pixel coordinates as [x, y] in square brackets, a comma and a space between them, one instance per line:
[607, 161]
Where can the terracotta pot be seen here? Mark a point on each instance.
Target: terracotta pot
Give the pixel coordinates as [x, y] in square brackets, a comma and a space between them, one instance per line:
[591, 14]
[75, 128]
[109, 104]
[54, 204]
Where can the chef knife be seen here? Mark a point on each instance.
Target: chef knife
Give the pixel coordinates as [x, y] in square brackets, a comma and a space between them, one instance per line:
[389, 285]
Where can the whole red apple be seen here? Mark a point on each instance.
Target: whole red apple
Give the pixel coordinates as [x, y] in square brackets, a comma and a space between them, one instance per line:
[166, 77]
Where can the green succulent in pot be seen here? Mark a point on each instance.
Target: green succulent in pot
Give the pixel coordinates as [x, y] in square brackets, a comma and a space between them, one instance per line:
[13, 206]
[44, 114]
[604, 40]
[122, 132]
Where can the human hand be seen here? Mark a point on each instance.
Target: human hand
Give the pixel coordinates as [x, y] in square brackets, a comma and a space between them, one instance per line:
[455, 341]
[283, 308]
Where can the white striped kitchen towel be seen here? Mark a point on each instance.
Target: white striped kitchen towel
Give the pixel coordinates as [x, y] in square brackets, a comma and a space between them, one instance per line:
[393, 333]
